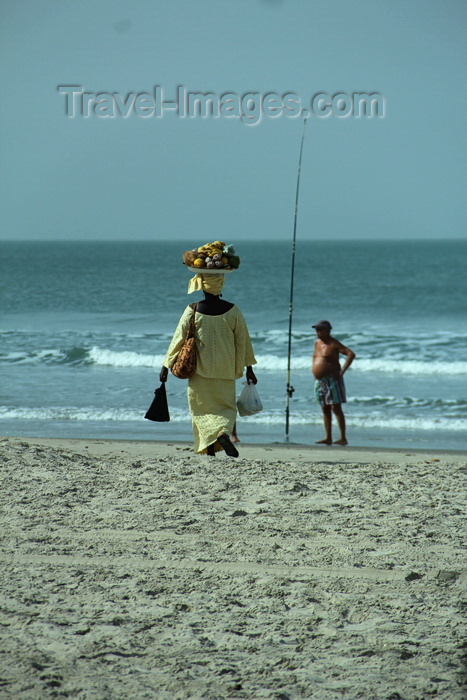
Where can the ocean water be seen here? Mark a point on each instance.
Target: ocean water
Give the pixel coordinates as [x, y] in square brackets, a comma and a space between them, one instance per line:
[84, 327]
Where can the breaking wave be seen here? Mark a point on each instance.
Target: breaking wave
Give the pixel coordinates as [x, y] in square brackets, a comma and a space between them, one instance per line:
[104, 357]
[177, 415]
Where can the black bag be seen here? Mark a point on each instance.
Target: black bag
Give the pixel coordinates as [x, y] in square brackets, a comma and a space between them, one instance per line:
[159, 409]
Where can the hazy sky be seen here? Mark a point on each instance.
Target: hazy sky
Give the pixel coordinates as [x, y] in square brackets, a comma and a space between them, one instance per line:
[401, 175]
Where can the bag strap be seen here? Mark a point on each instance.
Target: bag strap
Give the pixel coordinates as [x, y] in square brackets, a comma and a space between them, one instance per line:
[191, 333]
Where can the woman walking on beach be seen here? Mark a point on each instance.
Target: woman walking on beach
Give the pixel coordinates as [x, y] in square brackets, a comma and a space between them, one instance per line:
[223, 349]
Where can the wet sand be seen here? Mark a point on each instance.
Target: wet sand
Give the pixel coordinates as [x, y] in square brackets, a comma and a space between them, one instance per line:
[140, 570]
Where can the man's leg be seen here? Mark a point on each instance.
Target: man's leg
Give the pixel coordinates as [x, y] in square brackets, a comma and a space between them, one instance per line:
[327, 418]
[339, 413]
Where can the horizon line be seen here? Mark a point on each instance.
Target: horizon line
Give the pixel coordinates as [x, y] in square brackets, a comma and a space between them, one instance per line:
[244, 240]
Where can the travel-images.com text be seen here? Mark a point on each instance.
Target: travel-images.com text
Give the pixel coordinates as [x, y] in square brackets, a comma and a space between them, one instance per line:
[250, 107]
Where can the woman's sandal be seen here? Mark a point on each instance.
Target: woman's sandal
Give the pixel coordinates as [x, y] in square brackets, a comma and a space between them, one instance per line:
[227, 445]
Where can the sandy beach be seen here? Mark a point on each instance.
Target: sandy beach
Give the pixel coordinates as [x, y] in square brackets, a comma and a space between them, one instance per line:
[140, 570]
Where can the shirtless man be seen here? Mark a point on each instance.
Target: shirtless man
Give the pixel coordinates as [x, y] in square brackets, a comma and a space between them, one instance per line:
[329, 384]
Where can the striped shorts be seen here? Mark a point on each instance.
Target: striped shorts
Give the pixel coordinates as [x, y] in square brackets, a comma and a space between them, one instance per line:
[329, 391]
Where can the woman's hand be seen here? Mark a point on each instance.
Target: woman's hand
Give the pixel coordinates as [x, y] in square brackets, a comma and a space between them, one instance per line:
[250, 376]
[163, 374]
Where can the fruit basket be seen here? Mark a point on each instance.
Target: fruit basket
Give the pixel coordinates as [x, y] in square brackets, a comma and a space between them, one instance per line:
[212, 258]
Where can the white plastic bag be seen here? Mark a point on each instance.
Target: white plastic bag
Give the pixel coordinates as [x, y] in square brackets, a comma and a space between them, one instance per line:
[249, 402]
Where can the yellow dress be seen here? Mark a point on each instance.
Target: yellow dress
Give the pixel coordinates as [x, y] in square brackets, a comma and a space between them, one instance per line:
[223, 349]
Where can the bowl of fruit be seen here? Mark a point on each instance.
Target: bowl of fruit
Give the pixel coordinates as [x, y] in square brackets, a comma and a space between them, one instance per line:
[215, 258]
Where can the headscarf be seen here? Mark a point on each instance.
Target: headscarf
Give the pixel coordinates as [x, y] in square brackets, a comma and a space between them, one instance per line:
[207, 283]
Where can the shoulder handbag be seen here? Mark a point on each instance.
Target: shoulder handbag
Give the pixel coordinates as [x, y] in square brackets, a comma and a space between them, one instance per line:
[159, 410]
[185, 363]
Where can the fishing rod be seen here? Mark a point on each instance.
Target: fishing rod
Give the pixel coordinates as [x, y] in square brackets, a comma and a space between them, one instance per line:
[290, 390]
